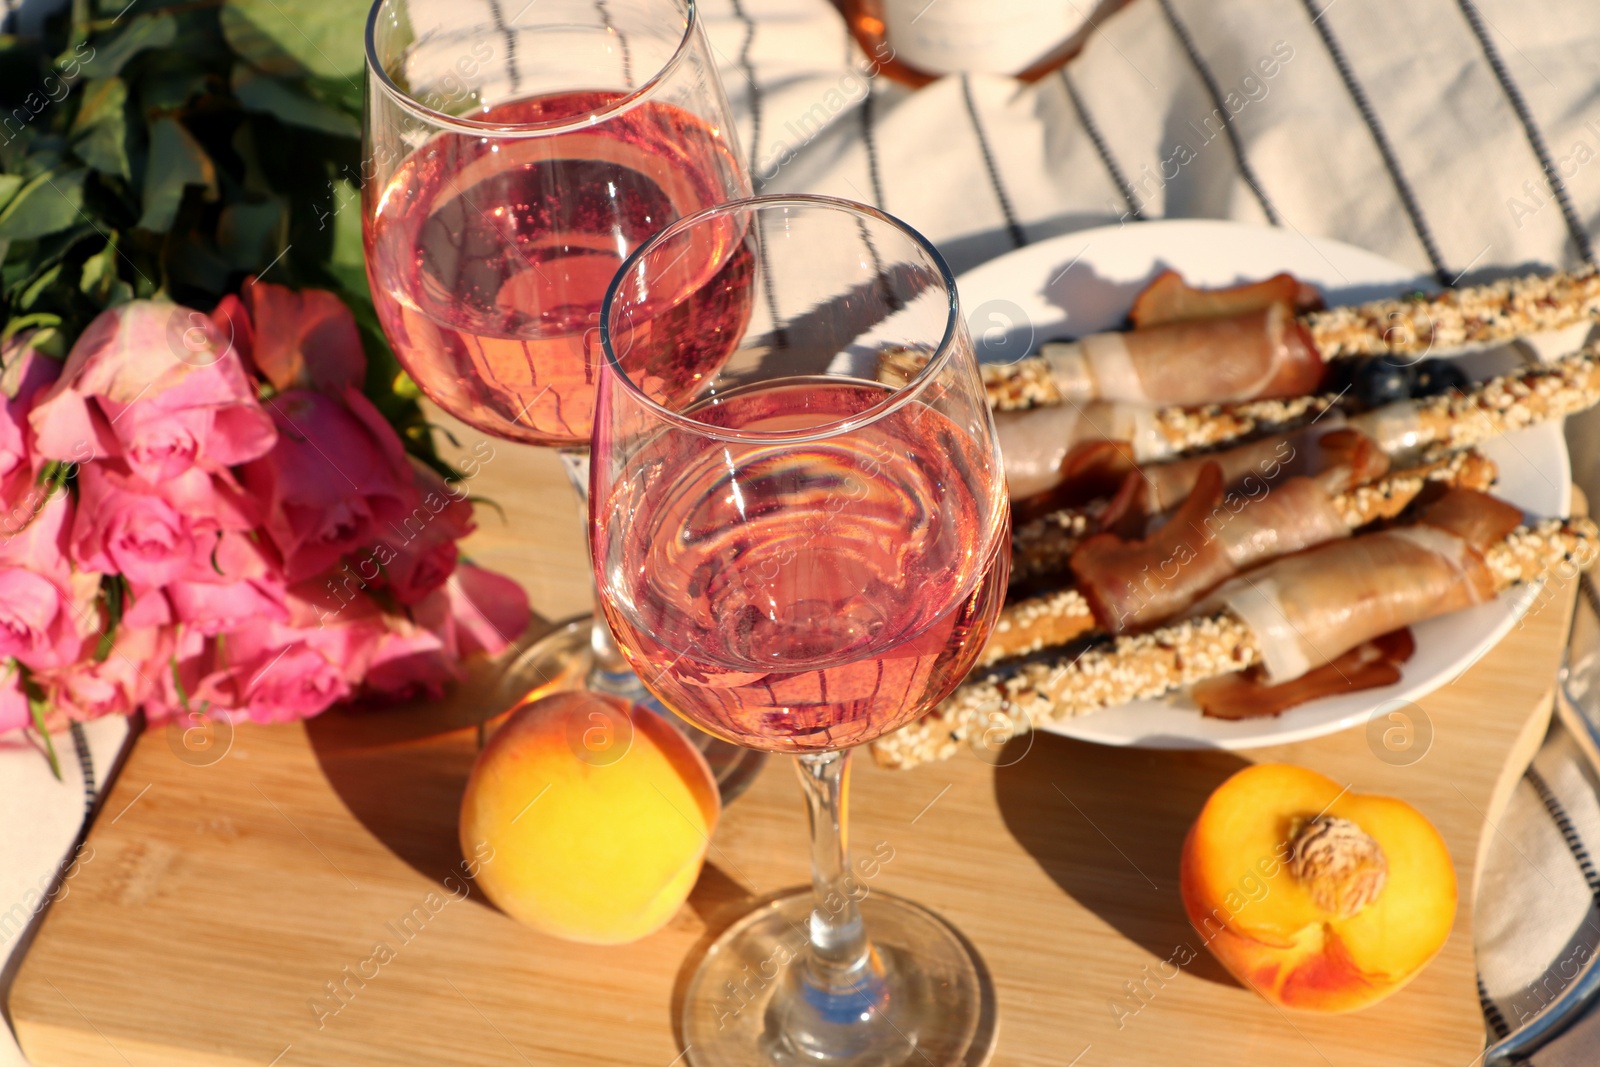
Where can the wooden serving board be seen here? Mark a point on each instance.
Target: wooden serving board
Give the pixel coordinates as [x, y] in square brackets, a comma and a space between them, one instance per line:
[217, 903]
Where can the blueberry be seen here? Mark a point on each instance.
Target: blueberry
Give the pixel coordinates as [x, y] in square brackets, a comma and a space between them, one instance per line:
[1438, 376]
[1378, 382]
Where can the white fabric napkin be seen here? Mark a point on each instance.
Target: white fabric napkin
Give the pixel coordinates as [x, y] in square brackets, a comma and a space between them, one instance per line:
[1419, 130]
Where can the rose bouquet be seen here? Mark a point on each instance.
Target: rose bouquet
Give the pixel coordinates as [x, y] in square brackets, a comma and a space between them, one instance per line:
[203, 514]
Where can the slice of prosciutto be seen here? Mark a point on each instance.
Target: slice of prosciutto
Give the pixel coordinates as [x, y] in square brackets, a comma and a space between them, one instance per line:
[1245, 695]
[1308, 609]
[1131, 584]
[1258, 354]
[1035, 444]
[1168, 298]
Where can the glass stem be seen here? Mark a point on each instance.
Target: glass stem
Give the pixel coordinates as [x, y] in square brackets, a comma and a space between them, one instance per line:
[839, 959]
[610, 672]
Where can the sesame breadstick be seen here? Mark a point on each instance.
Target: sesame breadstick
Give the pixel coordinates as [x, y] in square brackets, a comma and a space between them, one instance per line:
[1149, 665]
[1490, 408]
[1477, 314]
[1027, 625]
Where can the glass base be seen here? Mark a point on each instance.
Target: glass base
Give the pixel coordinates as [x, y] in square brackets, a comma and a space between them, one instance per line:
[561, 661]
[930, 1000]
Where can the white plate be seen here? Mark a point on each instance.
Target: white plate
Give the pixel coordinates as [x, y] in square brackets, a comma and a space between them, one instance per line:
[1082, 282]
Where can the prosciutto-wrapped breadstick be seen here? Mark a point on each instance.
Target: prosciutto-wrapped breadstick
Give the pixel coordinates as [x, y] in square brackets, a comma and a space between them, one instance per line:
[1041, 446]
[1029, 383]
[1488, 409]
[1128, 584]
[1412, 574]
[1413, 326]
[1258, 354]
[1041, 548]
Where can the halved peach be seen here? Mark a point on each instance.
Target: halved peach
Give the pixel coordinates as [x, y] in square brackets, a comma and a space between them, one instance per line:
[1314, 896]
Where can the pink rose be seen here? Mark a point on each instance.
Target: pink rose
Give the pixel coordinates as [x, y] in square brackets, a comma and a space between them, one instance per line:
[159, 385]
[124, 528]
[408, 661]
[26, 373]
[14, 710]
[221, 607]
[304, 340]
[294, 682]
[38, 624]
[336, 475]
[475, 611]
[267, 671]
[237, 585]
[418, 553]
[232, 320]
[45, 610]
[276, 673]
[120, 683]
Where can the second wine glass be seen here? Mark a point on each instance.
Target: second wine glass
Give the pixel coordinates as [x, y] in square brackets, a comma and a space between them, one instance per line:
[800, 559]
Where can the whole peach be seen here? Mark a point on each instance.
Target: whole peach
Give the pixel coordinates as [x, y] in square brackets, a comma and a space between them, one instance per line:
[598, 814]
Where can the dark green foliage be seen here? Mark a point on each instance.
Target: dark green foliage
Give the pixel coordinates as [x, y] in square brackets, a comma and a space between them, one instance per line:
[176, 149]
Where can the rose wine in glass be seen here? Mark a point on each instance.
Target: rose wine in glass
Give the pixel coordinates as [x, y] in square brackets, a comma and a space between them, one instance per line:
[827, 603]
[798, 558]
[511, 165]
[494, 255]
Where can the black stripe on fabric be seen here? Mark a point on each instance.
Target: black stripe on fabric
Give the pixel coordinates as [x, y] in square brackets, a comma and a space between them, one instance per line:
[1569, 833]
[870, 137]
[1491, 1011]
[1408, 198]
[510, 37]
[1246, 171]
[80, 741]
[1580, 238]
[1018, 238]
[1096, 138]
[749, 68]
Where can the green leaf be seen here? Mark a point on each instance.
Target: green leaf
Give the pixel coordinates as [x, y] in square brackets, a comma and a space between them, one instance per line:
[250, 236]
[172, 88]
[38, 707]
[41, 320]
[113, 589]
[348, 259]
[52, 201]
[100, 281]
[100, 130]
[38, 286]
[176, 162]
[144, 32]
[299, 37]
[9, 184]
[274, 97]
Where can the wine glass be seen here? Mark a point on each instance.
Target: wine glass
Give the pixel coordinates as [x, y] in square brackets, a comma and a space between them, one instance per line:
[517, 151]
[797, 558]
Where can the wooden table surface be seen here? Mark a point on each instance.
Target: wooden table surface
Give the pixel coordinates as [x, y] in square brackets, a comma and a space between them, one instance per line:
[216, 906]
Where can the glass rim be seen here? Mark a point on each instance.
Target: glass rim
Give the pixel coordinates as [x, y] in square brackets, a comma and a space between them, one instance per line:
[551, 127]
[896, 399]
